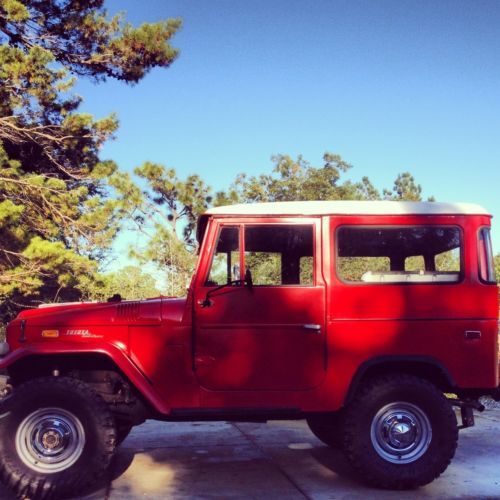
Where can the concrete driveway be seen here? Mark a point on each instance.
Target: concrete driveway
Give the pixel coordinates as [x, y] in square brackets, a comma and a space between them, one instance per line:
[276, 460]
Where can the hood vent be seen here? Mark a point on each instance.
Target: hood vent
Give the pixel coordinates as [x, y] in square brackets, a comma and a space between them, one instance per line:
[128, 311]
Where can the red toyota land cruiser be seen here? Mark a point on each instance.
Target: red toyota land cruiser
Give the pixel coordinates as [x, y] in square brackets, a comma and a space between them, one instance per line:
[371, 320]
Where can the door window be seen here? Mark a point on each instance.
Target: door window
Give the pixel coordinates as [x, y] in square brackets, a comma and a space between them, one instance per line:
[279, 255]
[225, 266]
[275, 255]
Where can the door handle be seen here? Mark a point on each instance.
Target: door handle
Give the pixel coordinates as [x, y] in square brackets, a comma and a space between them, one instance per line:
[312, 328]
[204, 359]
[472, 335]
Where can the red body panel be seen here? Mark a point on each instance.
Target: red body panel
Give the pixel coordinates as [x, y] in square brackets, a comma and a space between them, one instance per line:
[237, 349]
[251, 348]
[370, 320]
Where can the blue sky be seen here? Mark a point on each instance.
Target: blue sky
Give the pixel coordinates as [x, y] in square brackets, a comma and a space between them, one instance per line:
[391, 86]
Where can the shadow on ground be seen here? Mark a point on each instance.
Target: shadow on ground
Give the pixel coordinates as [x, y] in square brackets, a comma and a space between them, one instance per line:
[274, 460]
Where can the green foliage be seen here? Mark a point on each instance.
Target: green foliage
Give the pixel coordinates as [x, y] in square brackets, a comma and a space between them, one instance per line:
[79, 35]
[497, 267]
[265, 267]
[448, 261]
[174, 259]
[166, 214]
[405, 188]
[169, 208]
[131, 283]
[353, 268]
[174, 200]
[219, 272]
[295, 180]
[60, 205]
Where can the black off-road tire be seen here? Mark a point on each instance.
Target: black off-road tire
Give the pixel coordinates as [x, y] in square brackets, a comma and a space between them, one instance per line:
[374, 420]
[44, 407]
[122, 431]
[328, 428]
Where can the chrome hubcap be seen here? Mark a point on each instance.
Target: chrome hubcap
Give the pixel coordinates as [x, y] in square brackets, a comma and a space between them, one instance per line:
[401, 432]
[50, 440]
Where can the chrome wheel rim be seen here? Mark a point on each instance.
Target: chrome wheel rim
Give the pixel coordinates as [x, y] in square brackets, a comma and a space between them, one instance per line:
[50, 440]
[400, 433]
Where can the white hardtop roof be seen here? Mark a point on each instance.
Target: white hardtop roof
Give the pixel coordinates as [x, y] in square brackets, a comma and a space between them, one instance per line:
[350, 208]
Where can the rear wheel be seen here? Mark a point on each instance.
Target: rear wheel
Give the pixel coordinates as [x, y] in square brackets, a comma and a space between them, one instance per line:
[57, 436]
[400, 432]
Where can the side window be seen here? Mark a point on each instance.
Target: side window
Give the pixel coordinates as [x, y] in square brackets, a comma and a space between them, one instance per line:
[225, 265]
[486, 266]
[418, 254]
[279, 255]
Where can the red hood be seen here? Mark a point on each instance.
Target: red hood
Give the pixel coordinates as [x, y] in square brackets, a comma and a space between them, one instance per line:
[93, 313]
[95, 319]
[100, 313]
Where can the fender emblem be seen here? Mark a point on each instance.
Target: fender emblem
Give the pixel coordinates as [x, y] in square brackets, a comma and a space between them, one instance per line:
[82, 333]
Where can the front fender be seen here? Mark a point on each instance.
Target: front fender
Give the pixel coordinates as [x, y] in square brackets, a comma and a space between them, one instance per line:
[114, 352]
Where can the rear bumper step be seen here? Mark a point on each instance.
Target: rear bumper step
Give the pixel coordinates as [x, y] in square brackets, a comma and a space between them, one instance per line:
[466, 411]
[496, 394]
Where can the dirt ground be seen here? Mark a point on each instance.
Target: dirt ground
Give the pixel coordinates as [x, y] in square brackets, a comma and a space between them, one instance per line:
[276, 460]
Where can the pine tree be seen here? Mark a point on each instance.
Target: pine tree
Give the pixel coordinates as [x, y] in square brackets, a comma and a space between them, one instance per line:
[56, 213]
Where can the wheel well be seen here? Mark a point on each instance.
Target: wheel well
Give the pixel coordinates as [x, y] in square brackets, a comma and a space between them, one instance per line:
[429, 370]
[34, 366]
[95, 369]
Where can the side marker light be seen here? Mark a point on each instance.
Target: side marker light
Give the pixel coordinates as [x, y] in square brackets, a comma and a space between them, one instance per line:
[50, 333]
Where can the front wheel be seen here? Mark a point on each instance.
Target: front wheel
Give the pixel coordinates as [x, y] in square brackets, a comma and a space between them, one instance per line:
[57, 436]
[122, 431]
[400, 432]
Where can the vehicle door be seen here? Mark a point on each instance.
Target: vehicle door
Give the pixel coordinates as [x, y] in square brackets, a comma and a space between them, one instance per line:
[269, 334]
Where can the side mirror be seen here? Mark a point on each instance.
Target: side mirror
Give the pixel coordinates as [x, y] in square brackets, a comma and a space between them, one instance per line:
[248, 282]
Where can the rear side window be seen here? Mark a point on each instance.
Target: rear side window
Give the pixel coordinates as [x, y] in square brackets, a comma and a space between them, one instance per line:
[486, 266]
[416, 254]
